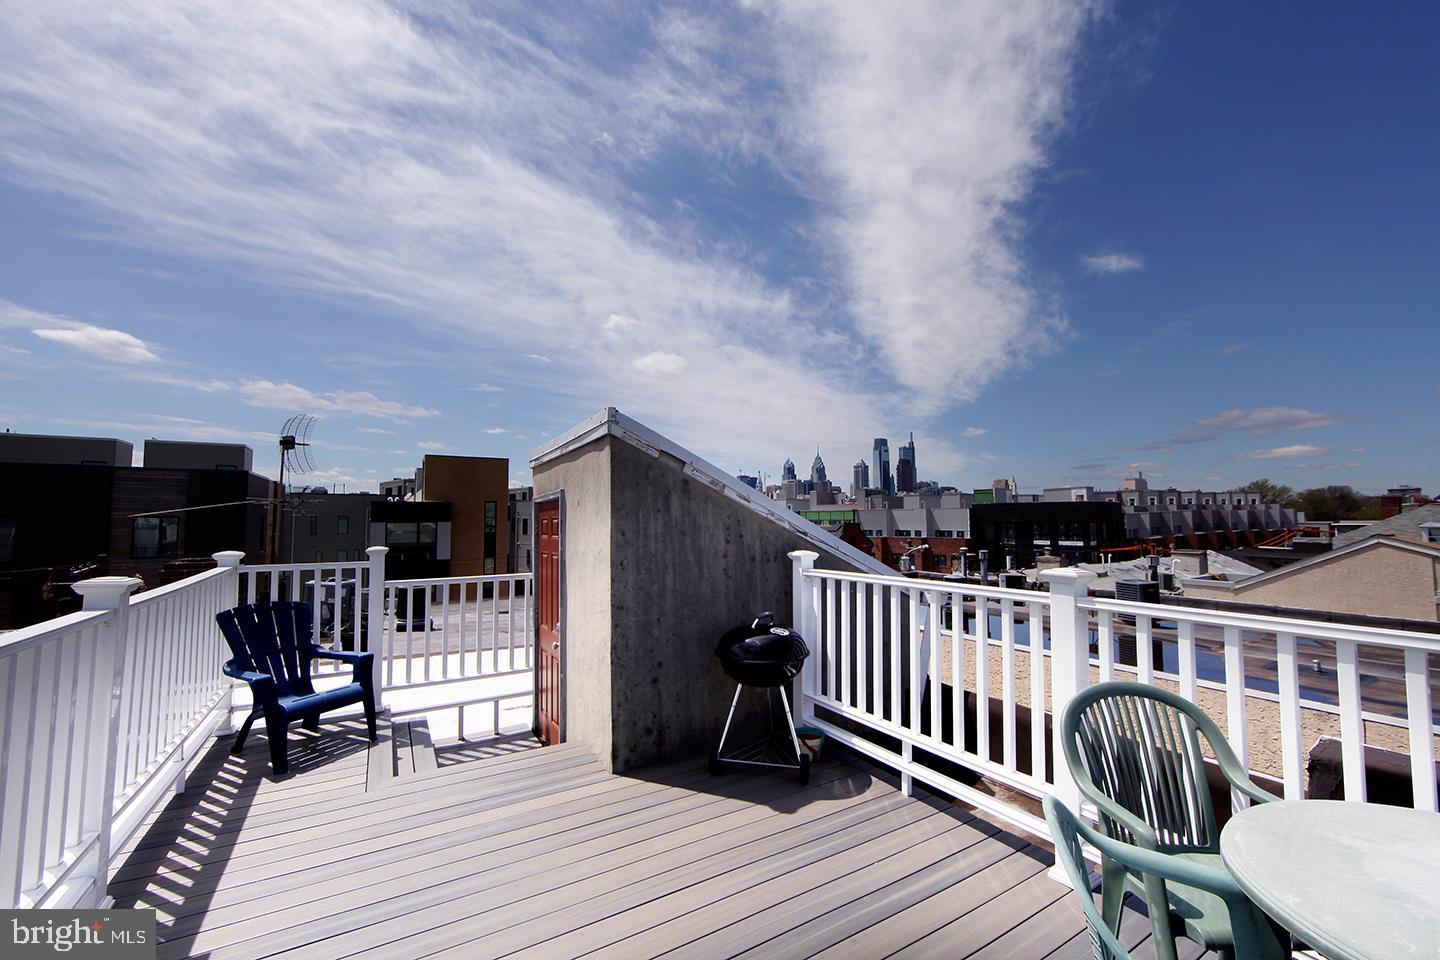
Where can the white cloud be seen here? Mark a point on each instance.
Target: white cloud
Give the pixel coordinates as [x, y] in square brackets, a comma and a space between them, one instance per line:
[1268, 420]
[1285, 453]
[114, 345]
[660, 364]
[1112, 262]
[973, 432]
[372, 430]
[430, 445]
[289, 396]
[616, 324]
[495, 430]
[485, 388]
[451, 169]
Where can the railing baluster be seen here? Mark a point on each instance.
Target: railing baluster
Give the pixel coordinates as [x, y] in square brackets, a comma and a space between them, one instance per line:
[897, 640]
[862, 649]
[1007, 682]
[832, 618]
[1419, 714]
[877, 650]
[932, 634]
[1105, 640]
[445, 632]
[982, 676]
[1292, 759]
[917, 667]
[847, 641]
[1235, 727]
[957, 669]
[1144, 650]
[1035, 632]
[1352, 722]
[1185, 650]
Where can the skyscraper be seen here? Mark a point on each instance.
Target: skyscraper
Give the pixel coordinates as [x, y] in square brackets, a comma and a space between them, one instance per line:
[818, 479]
[881, 458]
[905, 472]
[787, 472]
[860, 479]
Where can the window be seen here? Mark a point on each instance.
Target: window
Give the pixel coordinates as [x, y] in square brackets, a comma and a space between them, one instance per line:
[342, 525]
[342, 555]
[314, 526]
[524, 526]
[408, 534]
[490, 528]
[319, 556]
[153, 538]
[1431, 531]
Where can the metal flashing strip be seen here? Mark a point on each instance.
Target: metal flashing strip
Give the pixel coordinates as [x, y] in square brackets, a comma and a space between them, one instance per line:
[612, 422]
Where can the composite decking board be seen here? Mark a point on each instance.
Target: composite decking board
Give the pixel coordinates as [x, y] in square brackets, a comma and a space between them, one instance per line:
[460, 851]
[665, 924]
[636, 797]
[380, 768]
[606, 893]
[506, 883]
[421, 747]
[699, 885]
[191, 855]
[886, 935]
[365, 810]
[795, 926]
[485, 889]
[1040, 934]
[964, 936]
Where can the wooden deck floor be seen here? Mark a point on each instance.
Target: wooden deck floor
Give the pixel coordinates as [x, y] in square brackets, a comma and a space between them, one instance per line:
[509, 850]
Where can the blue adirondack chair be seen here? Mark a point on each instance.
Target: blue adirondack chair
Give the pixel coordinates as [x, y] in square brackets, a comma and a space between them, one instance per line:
[273, 651]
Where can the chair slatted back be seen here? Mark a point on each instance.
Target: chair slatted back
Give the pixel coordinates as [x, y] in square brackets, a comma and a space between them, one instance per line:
[1071, 856]
[1141, 748]
[273, 637]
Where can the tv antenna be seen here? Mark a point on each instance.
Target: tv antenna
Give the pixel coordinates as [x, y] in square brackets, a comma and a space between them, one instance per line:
[295, 447]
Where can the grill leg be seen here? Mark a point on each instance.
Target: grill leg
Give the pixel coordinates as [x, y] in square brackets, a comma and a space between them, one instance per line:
[726, 732]
[790, 722]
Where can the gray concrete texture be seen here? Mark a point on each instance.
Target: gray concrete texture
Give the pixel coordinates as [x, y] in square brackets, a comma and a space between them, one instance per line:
[658, 565]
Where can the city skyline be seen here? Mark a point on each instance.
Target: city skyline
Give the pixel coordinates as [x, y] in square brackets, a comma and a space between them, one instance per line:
[1165, 239]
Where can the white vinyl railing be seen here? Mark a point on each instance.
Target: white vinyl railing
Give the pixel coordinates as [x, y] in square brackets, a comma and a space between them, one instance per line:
[954, 671]
[101, 711]
[451, 633]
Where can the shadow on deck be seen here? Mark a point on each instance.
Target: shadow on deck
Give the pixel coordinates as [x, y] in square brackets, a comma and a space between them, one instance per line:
[510, 850]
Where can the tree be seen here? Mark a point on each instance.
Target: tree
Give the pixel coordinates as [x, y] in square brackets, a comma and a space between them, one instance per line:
[1269, 492]
[1333, 503]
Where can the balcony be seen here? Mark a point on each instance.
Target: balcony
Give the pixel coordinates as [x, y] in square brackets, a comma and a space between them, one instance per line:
[917, 835]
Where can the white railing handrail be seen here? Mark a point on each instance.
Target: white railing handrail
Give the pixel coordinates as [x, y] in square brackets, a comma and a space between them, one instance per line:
[1265, 623]
[328, 566]
[924, 583]
[179, 586]
[446, 581]
[15, 641]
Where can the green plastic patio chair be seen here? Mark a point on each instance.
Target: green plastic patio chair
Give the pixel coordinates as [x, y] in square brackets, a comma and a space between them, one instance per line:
[1134, 751]
[1067, 830]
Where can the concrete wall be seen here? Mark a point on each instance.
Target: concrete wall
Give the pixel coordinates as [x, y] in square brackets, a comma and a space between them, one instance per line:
[583, 478]
[1380, 580]
[657, 566]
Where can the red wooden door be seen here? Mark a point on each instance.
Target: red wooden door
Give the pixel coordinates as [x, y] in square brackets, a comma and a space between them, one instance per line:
[548, 690]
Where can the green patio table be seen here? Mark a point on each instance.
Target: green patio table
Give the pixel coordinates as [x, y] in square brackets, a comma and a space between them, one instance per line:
[1355, 881]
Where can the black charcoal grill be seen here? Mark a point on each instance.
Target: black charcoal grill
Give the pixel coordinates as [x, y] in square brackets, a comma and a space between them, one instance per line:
[766, 657]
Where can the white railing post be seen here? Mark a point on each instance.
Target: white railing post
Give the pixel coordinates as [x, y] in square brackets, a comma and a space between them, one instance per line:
[375, 615]
[230, 560]
[1069, 664]
[105, 593]
[802, 617]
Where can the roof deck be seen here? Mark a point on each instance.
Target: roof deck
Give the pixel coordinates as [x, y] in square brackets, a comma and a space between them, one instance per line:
[507, 849]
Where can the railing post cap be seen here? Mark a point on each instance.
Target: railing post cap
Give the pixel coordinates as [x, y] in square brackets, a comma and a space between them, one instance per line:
[228, 558]
[804, 556]
[1068, 578]
[106, 593]
[373, 552]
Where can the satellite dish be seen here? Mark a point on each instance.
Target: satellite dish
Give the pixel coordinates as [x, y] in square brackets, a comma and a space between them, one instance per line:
[295, 446]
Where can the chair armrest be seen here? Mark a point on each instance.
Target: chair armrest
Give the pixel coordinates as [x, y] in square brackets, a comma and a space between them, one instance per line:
[361, 662]
[1145, 835]
[1165, 866]
[252, 677]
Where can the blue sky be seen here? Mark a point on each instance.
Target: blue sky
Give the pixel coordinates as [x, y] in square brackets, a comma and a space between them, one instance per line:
[1060, 242]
